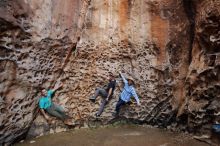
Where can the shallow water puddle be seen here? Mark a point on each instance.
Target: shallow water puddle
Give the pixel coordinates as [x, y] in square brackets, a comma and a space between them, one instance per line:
[126, 135]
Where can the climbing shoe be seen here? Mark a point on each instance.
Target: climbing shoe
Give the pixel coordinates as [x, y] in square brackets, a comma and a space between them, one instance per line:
[97, 115]
[69, 122]
[92, 100]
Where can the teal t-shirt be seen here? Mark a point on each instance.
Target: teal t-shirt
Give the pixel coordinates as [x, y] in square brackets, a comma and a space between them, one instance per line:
[45, 101]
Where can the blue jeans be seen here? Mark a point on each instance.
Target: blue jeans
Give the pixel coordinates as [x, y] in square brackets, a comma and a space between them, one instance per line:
[119, 104]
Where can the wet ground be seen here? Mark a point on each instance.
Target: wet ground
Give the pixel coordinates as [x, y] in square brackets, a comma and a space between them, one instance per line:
[127, 135]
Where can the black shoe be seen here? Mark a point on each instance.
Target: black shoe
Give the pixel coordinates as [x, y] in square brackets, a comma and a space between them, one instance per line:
[97, 115]
[92, 100]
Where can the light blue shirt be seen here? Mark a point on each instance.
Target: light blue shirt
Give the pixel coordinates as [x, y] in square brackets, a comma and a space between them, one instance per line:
[128, 92]
[45, 101]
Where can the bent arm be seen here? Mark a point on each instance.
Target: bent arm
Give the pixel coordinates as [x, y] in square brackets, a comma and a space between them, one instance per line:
[109, 93]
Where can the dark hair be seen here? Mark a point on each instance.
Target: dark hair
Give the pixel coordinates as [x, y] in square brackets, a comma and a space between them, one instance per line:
[44, 89]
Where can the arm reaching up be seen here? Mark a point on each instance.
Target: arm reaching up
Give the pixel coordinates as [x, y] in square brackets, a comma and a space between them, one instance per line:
[123, 78]
[57, 87]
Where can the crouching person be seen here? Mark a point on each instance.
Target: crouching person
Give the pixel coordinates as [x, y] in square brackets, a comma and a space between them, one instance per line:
[47, 106]
[126, 94]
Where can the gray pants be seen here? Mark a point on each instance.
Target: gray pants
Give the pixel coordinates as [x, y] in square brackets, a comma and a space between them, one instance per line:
[101, 92]
[57, 111]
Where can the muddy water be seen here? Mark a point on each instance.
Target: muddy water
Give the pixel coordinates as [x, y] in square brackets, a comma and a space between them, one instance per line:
[128, 135]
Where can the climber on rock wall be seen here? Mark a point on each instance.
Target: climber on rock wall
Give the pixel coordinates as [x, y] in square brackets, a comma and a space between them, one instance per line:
[126, 94]
[106, 93]
[46, 104]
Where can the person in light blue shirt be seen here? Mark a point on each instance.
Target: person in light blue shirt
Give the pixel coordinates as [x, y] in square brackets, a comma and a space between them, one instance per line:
[126, 94]
[46, 104]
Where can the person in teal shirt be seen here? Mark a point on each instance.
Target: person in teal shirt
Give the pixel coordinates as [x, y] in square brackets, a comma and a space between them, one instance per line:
[46, 104]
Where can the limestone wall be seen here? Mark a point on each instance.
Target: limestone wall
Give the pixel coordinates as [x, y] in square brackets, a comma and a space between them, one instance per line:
[169, 46]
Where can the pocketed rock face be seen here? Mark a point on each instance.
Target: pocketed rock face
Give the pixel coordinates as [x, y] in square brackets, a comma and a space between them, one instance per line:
[203, 76]
[16, 100]
[170, 47]
[24, 67]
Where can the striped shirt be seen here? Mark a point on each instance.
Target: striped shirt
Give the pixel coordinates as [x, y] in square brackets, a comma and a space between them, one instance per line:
[128, 91]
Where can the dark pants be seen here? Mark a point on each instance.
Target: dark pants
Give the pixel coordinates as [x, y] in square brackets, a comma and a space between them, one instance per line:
[119, 104]
[101, 92]
[57, 111]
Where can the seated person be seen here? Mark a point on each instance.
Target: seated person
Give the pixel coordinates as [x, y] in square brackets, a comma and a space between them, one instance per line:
[46, 104]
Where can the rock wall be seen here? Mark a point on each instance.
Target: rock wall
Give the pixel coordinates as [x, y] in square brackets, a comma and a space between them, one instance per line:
[169, 46]
[203, 74]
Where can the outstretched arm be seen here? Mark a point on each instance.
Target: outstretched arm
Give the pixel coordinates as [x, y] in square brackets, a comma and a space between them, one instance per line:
[52, 91]
[57, 87]
[135, 96]
[123, 78]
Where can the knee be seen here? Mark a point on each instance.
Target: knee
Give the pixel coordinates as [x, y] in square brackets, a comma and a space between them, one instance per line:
[98, 89]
